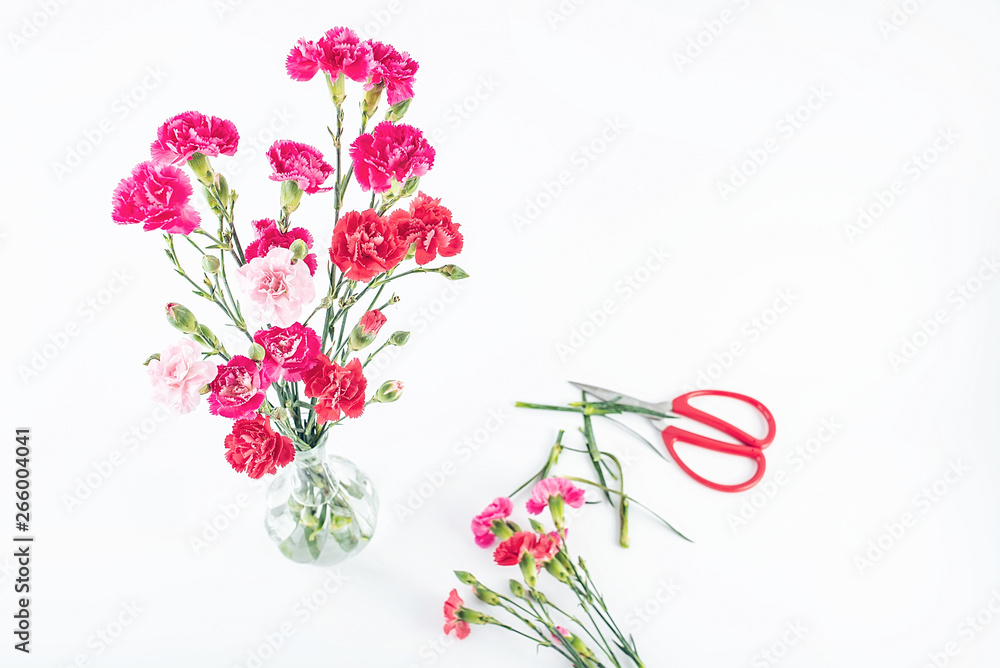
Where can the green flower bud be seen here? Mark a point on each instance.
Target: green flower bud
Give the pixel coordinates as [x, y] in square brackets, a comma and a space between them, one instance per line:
[213, 202]
[299, 249]
[399, 338]
[222, 190]
[210, 264]
[410, 186]
[360, 339]
[473, 616]
[487, 596]
[398, 110]
[528, 569]
[557, 570]
[452, 272]
[205, 389]
[466, 578]
[390, 391]
[256, 352]
[517, 589]
[537, 526]
[209, 336]
[181, 318]
[291, 195]
[199, 164]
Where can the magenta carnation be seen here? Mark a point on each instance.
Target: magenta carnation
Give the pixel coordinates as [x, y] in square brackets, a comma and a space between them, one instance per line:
[236, 390]
[392, 151]
[294, 161]
[269, 236]
[341, 51]
[572, 495]
[302, 62]
[482, 524]
[288, 351]
[392, 70]
[158, 196]
[192, 132]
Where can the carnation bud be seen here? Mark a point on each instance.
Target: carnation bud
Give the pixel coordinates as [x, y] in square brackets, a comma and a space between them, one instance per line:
[205, 389]
[516, 588]
[291, 195]
[210, 264]
[411, 252]
[359, 338]
[389, 392]
[222, 190]
[209, 337]
[537, 526]
[213, 202]
[528, 569]
[299, 249]
[198, 162]
[399, 338]
[398, 110]
[154, 356]
[466, 578]
[487, 596]
[452, 272]
[181, 318]
[410, 186]
[557, 570]
[256, 352]
[473, 616]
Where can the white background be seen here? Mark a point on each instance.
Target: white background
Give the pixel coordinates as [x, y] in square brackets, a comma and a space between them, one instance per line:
[534, 88]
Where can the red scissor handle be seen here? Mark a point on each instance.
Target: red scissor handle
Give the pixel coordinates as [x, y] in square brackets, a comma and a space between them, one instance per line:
[673, 435]
[681, 406]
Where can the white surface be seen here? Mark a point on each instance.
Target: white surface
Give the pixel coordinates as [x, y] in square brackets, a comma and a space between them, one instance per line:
[655, 186]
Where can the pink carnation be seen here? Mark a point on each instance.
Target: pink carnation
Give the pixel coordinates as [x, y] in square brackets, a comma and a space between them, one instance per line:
[545, 489]
[393, 70]
[192, 132]
[158, 196]
[340, 50]
[482, 524]
[563, 633]
[428, 225]
[543, 547]
[269, 236]
[178, 376]
[278, 288]
[303, 60]
[294, 161]
[392, 151]
[451, 621]
[288, 352]
[237, 390]
[372, 321]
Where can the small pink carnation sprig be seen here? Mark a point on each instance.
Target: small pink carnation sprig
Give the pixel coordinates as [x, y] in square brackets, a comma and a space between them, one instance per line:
[596, 639]
[296, 381]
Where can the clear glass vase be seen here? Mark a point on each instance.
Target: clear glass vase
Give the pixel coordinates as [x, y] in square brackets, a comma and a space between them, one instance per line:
[321, 508]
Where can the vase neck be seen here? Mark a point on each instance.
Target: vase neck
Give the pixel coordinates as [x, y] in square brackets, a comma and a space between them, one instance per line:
[313, 455]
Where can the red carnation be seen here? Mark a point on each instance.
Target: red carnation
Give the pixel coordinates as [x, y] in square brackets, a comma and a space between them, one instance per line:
[429, 226]
[340, 389]
[365, 244]
[256, 448]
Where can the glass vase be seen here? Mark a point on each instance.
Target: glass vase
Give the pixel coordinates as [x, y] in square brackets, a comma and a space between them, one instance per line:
[321, 508]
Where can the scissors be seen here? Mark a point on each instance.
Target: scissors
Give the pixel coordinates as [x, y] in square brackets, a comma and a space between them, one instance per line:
[747, 446]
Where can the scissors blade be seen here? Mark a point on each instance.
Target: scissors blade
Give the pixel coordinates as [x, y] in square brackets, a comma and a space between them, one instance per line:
[618, 397]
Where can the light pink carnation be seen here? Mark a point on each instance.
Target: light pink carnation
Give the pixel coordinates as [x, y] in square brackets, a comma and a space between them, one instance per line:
[158, 196]
[192, 132]
[277, 288]
[482, 524]
[393, 70]
[572, 495]
[178, 376]
[392, 150]
[340, 50]
[294, 161]
[302, 62]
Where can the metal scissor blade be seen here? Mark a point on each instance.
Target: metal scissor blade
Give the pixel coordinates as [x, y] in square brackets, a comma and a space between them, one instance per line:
[610, 395]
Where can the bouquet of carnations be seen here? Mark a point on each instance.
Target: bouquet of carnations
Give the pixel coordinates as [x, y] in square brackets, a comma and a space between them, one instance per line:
[303, 371]
[587, 639]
